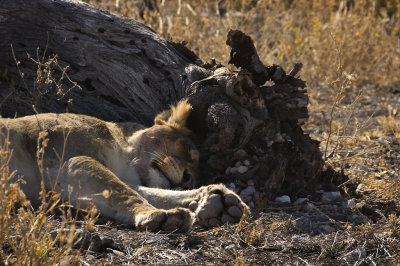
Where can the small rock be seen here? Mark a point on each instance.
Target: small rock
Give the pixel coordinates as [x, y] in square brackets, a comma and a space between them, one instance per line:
[231, 249]
[351, 203]
[228, 171]
[246, 162]
[327, 229]
[234, 170]
[239, 154]
[279, 138]
[242, 169]
[283, 199]
[99, 244]
[300, 201]
[114, 252]
[384, 139]
[232, 186]
[250, 183]
[320, 191]
[300, 239]
[357, 219]
[361, 188]
[328, 197]
[247, 193]
[159, 239]
[356, 255]
[269, 143]
[251, 204]
[238, 164]
[309, 207]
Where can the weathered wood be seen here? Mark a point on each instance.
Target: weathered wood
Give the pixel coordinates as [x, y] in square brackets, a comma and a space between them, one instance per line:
[125, 69]
[239, 118]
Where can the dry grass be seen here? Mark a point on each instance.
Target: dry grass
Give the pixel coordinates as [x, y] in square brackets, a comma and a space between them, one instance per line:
[304, 31]
[46, 82]
[32, 236]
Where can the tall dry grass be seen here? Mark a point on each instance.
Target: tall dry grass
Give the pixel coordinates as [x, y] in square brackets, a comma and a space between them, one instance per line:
[286, 32]
[33, 236]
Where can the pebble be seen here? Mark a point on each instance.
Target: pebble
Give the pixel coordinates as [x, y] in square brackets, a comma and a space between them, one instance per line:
[238, 164]
[356, 255]
[309, 207]
[361, 188]
[351, 203]
[234, 170]
[279, 138]
[269, 143]
[231, 249]
[332, 196]
[300, 201]
[384, 139]
[228, 171]
[239, 154]
[283, 199]
[242, 169]
[247, 193]
[115, 252]
[246, 162]
[300, 239]
[327, 229]
[357, 219]
[250, 183]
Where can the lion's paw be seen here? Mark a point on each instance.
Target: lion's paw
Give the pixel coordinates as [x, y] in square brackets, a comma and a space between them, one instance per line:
[177, 219]
[219, 205]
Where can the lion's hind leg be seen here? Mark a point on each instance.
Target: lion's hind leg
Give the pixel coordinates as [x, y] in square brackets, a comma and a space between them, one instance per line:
[88, 178]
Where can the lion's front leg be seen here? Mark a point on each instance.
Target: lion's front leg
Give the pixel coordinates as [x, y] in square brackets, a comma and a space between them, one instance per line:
[213, 205]
[84, 177]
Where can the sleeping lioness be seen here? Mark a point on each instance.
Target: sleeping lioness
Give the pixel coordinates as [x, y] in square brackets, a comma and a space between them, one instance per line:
[140, 167]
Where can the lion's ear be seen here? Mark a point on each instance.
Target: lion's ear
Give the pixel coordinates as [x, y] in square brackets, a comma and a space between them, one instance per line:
[176, 116]
[162, 118]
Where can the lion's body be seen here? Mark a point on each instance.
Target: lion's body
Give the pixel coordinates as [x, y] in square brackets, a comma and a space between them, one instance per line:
[139, 166]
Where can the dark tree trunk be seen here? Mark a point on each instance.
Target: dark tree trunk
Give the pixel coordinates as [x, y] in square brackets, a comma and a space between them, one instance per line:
[124, 71]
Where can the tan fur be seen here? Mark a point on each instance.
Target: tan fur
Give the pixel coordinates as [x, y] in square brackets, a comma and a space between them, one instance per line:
[139, 166]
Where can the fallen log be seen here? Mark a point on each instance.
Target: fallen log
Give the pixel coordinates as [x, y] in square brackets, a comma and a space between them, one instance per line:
[118, 69]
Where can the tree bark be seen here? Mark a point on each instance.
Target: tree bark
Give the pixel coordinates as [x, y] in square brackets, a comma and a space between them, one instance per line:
[124, 71]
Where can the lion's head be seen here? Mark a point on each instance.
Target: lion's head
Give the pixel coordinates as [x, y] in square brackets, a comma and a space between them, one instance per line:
[166, 157]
